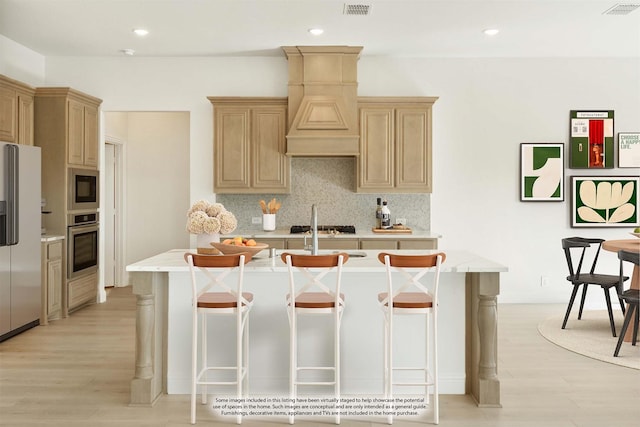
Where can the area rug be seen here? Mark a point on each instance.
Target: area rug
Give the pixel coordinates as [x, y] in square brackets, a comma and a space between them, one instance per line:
[591, 337]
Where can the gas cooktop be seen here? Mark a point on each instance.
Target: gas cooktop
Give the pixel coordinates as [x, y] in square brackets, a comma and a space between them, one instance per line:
[330, 229]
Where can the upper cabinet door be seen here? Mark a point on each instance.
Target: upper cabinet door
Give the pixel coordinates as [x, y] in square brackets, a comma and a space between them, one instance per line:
[25, 119]
[375, 165]
[8, 114]
[231, 149]
[413, 150]
[76, 133]
[269, 165]
[90, 136]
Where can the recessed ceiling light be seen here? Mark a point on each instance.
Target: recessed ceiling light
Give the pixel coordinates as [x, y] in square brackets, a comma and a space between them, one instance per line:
[316, 31]
[140, 32]
[491, 31]
[128, 52]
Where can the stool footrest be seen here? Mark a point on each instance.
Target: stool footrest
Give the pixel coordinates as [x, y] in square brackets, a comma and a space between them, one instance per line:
[199, 380]
[313, 368]
[414, 383]
[405, 368]
[315, 383]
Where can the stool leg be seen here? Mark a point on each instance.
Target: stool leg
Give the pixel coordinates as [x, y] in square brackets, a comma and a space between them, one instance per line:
[436, 402]
[205, 373]
[336, 360]
[390, 364]
[239, 340]
[246, 355]
[194, 361]
[292, 363]
[427, 359]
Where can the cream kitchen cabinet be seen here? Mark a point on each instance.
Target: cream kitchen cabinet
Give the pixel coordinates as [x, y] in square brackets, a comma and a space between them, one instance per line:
[16, 111]
[249, 145]
[83, 134]
[82, 291]
[324, 244]
[273, 243]
[67, 126]
[52, 277]
[400, 243]
[395, 144]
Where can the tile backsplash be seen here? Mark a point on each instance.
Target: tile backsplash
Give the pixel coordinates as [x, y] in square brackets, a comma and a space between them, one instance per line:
[330, 183]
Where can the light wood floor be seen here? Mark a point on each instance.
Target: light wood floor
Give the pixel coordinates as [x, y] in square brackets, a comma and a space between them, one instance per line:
[76, 372]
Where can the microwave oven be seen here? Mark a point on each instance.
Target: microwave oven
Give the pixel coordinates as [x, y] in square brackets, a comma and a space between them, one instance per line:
[83, 189]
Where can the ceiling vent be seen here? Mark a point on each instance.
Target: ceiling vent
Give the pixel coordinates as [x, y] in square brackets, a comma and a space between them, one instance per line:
[356, 9]
[621, 9]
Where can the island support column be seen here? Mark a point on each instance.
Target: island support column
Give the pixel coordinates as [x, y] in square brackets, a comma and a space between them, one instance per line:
[151, 299]
[482, 381]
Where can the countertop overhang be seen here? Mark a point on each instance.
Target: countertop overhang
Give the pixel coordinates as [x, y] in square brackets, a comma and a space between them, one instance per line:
[458, 261]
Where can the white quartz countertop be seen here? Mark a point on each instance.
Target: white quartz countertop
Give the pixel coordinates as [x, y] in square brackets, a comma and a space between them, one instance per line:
[457, 261]
[367, 234]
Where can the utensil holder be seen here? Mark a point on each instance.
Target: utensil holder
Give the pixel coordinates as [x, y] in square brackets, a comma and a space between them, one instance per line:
[269, 222]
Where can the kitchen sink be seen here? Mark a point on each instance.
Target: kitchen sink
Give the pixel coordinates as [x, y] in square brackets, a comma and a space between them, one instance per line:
[355, 254]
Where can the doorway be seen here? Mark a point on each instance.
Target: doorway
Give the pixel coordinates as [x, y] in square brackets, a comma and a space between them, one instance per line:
[111, 217]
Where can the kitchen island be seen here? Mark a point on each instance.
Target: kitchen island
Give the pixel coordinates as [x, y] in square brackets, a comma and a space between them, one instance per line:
[467, 322]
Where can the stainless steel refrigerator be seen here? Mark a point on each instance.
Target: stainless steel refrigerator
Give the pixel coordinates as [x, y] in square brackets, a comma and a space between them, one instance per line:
[20, 287]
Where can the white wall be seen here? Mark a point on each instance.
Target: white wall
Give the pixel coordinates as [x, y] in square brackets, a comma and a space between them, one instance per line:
[487, 107]
[157, 183]
[21, 63]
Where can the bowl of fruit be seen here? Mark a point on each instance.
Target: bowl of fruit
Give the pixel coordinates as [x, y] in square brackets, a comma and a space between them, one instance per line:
[239, 244]
[636, 232]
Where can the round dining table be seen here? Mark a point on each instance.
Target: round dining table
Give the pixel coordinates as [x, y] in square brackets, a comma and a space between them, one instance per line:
[632, 245]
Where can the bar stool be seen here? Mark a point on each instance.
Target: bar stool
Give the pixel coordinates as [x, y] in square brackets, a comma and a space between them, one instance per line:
[231, 301]
[420, 301]
[301, 300]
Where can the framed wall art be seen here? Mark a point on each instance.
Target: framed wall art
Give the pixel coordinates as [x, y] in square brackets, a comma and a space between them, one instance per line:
[541, 172]
[604, 201]
[591, 139]
[629, 150]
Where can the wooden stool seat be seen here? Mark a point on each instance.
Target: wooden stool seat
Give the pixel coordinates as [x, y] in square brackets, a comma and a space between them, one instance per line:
[222, 300]
[314, 300]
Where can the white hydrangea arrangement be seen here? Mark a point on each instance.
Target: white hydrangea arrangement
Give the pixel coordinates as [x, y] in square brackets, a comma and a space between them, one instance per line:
[205, 217]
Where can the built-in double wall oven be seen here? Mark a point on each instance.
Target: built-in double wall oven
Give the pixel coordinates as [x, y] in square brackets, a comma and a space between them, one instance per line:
[82, 244]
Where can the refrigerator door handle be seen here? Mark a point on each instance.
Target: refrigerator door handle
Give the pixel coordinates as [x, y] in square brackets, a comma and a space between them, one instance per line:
[12, 157]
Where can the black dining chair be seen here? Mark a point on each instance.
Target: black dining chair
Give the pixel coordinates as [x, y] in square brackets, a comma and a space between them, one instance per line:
[577, 278]
[631, 297]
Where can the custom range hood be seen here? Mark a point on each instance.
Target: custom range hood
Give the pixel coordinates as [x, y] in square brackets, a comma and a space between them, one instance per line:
[323, 103]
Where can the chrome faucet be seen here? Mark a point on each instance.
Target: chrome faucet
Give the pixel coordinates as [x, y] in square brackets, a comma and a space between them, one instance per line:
[314, 232]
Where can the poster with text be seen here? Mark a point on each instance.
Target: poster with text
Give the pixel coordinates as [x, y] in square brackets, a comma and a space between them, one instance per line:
[591, 139]
[629, 150]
